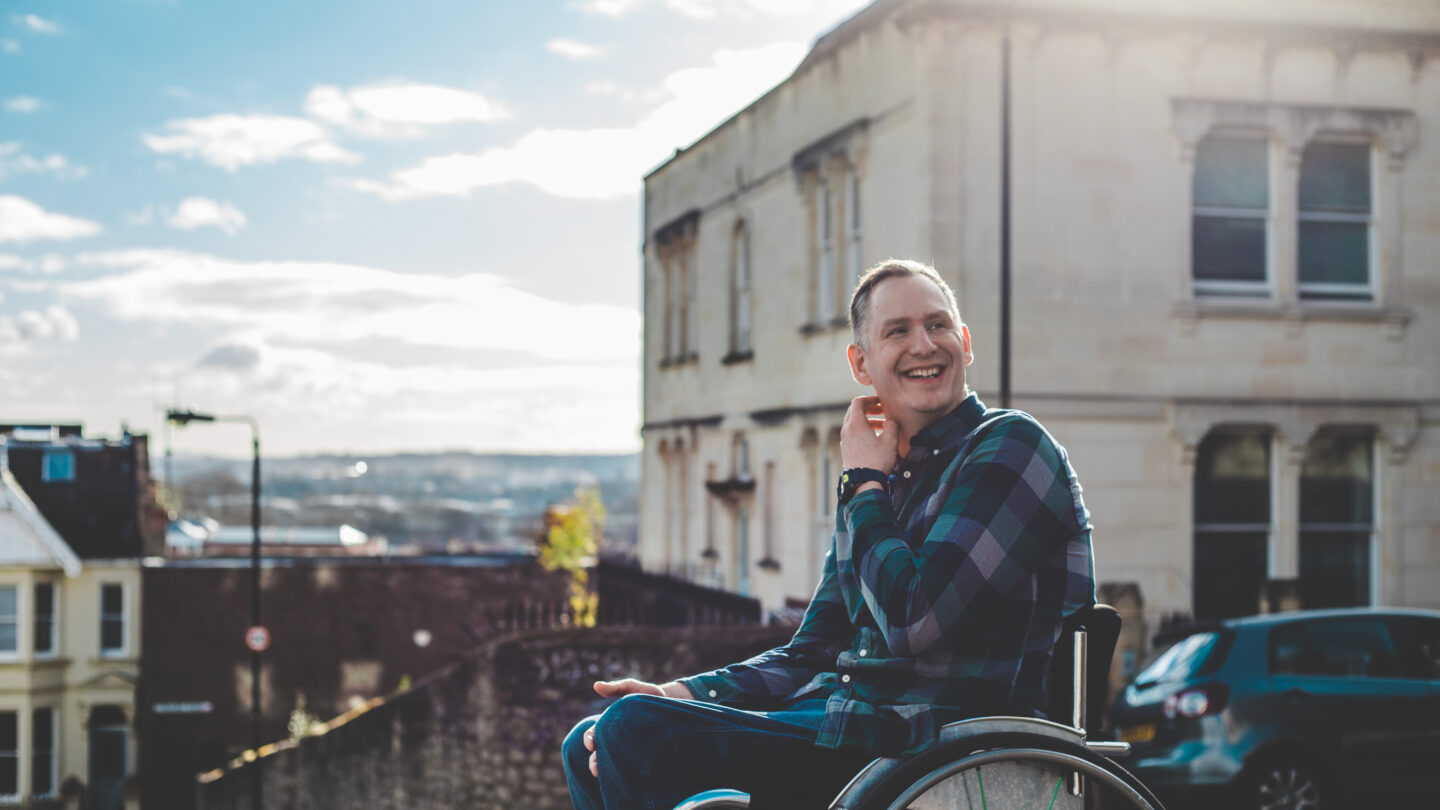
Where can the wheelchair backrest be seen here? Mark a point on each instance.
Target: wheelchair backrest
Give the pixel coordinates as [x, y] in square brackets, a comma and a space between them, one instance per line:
[1102, 626]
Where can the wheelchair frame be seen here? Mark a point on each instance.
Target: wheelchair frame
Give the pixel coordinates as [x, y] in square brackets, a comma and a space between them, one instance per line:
[891, 783]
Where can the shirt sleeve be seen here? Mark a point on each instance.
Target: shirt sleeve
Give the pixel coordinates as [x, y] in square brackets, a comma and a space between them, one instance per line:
[771, 676]
[1009, 507]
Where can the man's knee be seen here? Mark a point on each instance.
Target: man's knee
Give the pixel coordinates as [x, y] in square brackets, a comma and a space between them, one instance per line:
[632, 718]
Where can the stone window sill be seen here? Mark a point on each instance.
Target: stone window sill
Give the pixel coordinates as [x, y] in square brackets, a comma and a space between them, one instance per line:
[684, 359]
[1295, 313]
[738, 357]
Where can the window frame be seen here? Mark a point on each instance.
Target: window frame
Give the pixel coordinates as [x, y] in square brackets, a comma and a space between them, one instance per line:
[122, 650]
[54, 620]
[13, 620]
[53, 753]
[1369, 437]
[47, 469]
[1321, 291]
[1211, 289]
[10, 758]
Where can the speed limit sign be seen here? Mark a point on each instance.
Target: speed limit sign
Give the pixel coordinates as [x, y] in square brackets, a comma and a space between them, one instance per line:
[257, 639]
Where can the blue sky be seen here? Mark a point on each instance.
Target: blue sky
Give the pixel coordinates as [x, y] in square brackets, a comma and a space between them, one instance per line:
[373, 226]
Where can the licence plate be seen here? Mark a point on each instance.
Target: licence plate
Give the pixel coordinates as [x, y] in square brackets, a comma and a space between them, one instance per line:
[1137, 734]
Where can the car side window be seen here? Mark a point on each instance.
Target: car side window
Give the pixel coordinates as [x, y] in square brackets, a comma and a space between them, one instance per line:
[1340, 648]
[1426, 635]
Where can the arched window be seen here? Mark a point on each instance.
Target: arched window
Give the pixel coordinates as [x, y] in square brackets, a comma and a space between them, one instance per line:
[1232, 522]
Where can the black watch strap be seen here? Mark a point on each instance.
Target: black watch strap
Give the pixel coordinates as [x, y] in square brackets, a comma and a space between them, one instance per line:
[851, 479]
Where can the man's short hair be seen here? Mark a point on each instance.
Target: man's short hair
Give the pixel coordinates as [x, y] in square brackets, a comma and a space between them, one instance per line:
[891, 268]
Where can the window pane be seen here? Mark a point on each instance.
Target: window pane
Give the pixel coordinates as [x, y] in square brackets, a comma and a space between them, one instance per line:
[1334, 569]
[111, 599]
[1231, 173]
[1335, 253]
[9, 731]
[1354, 648]
[8, 601]
[45, 600]
[112, 634]
[1426, 635]
[1232, 478]
[1335, 177]
[1337, 480]
[9, 775]
[1228, 249]
[1229, 571]
[42, 762]
[9, 640]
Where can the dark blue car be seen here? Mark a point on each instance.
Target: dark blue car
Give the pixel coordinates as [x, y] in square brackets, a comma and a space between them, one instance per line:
[1311, 709]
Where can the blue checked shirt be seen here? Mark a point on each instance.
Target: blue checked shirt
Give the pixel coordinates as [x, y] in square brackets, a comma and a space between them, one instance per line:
[939, 601]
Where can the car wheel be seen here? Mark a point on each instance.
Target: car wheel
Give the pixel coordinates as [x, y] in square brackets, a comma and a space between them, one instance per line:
[1286, 784]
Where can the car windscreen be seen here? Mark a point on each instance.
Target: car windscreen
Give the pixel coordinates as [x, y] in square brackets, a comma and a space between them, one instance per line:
[1183, 659]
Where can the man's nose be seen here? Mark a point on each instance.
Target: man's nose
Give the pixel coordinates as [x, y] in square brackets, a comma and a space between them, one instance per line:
[920, 342]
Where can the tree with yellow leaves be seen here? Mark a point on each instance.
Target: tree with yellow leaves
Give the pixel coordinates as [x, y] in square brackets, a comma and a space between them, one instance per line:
[572, 536]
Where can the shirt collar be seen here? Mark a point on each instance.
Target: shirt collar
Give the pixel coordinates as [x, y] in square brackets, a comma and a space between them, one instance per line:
[954, 425]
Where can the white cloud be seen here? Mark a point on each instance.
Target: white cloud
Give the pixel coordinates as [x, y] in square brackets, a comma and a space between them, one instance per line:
[231, 141]
[54, 323]
[24, 221]
[14, 160]
[9, 46]
[23, 104]
[48, 264]
[571, 49]
[399, 110]
[39, 25]
[327, 304]
[603, 163]
[198, 212]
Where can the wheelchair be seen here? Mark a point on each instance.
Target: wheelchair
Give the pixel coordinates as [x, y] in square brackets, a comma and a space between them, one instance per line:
[1007, 763]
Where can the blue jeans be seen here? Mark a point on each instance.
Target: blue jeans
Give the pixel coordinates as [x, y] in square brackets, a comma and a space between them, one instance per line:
[655, 752]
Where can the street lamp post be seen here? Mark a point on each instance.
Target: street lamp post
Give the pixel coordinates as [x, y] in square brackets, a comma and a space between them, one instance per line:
[183, 418]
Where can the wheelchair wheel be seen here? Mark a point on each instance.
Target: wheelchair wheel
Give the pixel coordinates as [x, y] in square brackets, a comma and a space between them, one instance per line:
[1006, 771]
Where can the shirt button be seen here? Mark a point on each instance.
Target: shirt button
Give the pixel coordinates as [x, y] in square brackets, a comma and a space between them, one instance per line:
[712, 693]
[864, 653]
[935, 452]
[845, 678]
[907, 473]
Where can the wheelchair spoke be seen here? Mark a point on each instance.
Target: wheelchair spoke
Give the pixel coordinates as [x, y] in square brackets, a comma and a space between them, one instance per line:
[1056, 794]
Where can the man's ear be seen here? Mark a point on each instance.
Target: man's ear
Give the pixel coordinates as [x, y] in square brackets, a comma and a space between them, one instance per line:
[965, 344]
[856, 356]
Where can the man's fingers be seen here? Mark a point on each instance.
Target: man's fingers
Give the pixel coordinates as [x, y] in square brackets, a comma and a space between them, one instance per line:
[594, 766]
[627, 686]
[589, 738]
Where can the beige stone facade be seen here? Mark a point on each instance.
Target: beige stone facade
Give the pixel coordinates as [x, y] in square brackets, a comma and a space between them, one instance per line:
[1226, 285]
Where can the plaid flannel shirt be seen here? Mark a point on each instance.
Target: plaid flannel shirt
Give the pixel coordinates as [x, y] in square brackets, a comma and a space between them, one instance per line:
[939, 601]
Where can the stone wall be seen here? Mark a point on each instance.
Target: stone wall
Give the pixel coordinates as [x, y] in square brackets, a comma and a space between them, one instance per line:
[483, 733]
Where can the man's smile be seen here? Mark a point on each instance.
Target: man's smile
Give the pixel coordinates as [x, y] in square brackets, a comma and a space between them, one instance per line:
[923, 372]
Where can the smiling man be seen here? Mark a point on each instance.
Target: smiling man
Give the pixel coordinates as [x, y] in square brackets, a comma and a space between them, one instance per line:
[961, 544]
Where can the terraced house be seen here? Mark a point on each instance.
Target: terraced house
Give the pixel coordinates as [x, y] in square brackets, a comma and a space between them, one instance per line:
[1225, 221]
[73, 526]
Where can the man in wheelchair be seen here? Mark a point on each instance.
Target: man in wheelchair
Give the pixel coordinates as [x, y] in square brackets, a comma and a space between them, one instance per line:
[961, 546]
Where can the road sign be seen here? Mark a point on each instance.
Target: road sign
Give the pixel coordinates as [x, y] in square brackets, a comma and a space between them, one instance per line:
[257, 639]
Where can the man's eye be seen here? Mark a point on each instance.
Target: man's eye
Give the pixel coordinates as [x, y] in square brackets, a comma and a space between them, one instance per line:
[899, 330]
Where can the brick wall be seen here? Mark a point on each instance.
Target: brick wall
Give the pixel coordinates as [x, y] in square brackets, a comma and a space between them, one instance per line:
[483, 733]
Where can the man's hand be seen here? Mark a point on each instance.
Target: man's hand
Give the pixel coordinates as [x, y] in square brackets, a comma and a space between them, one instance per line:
[630, 686]
[860, 446]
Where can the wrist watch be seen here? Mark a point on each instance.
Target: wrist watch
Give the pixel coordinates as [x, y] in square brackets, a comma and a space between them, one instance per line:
[851, 479]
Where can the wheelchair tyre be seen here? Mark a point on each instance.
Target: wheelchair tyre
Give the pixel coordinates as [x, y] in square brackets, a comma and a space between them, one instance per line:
[928, 769]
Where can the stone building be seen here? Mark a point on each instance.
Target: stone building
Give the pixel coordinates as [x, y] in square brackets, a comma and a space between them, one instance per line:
[1226, 286]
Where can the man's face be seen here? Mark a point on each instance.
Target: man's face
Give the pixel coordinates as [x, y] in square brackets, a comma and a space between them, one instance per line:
[916, 352]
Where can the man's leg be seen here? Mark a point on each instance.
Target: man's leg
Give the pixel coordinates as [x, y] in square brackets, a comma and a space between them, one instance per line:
[654, 752]
[584, 788]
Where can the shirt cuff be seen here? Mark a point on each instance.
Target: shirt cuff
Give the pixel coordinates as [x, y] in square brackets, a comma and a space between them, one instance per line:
[871, 519]
[710, 687]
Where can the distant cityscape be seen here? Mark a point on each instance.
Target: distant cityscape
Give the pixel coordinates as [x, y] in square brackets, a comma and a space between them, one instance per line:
[411, 503]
